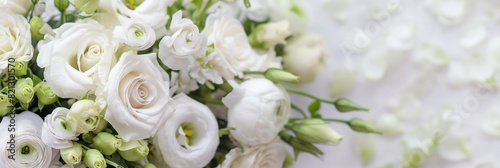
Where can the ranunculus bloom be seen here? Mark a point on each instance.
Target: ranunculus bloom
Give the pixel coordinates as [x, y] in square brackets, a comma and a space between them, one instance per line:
[15, 38]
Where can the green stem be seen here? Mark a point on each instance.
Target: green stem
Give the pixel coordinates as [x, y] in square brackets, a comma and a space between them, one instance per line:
[335, 120]
[200, 15]
[254, 73]
[296, 108]
[309, 95]
[113, 163]
[63, 17]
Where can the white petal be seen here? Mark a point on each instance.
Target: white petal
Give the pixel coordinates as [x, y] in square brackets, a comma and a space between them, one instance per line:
[375, 65]
[343, 79]
[401, 37]
[406, 106]
[491, 125]
[390, 125]
[455, 147]
[337, 8]
[448, 12]
[473, 34]
[430, 56]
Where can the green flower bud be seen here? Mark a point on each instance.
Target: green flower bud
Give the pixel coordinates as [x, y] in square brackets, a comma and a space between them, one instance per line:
[300, 145]
[279, 75]
[21, 68]
[270, 34]
[36, 24]
[102, 124]
[24, 90]
[73, 154]
[134, 150]
[106, 143]
[362, 126]
[94, 159]
[87, 6]
[5, 105]
[315, 130]
[86, 114]
[149, 165]
[61, 4]
[345, 105]
[45, 94]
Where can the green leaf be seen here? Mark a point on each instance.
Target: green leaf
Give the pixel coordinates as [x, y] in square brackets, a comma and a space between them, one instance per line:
[314, 108]
[197, 3]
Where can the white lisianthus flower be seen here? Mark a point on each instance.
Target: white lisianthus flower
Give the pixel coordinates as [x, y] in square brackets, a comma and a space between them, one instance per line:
[23, 139]
[135, 33]
[178, 50]
[288, 10]
[305, 55]
[81, 54]
[20, 7]
[57, 132]
[228, 53]
[258, 110]
[264, 156]
[153, 12]
[138, 97]
[15, 38]
[189, 138]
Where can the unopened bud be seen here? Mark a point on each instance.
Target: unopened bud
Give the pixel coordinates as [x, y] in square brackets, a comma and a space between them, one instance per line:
[362, 126]
[345, 105]
[279, 75]
[106, 143]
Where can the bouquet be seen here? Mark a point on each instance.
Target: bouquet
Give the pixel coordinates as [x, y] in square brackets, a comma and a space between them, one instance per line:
[159, 83]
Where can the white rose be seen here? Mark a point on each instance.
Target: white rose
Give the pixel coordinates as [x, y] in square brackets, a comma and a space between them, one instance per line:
[15, 38]
[178, 50]
[153, 12]
[20, 7]
[21, 133]
[258, 110]
[270, 155]
[305, 55]
[189, 138]
[137, 94]
[228, 53]
[78, 58]
[135, 33]
[57, 132]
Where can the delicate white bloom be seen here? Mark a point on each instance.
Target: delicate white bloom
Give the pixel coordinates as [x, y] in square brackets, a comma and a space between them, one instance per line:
[337, 8]
[288, 10]
[259, 10]
[15, 38]
[343, 79]
[375, 65]
[455, 147]
[138, 97]
[81, 54]
[182, 83]
[475, 69]
[228, 53]
[271, 34]
[270, 155]
[152, 12]
[20, 7]
[189, 138]
[25, 142]
[401, 37]
[258, 110]
[305, 56]
[85, 115]
[57, 132]
[135, 33]
[107, 15]
[491, 125]
[474, 33]
[449, 12]
[178, 51]
[430, 56]
[390, 125]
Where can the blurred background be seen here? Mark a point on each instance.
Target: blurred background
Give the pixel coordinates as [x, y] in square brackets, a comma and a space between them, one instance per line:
[427, 70]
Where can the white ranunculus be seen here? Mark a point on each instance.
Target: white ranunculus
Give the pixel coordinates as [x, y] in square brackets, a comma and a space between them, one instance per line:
[189, 138]
[22, 133]
[15, 38]
[177, 51]
[135, 33]
[138, 97]
[81, 54]
[270, 155]
[57, 132]
[85, 115]
[153, 12]
[20, 7]
[258, 110]
[305, 55]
